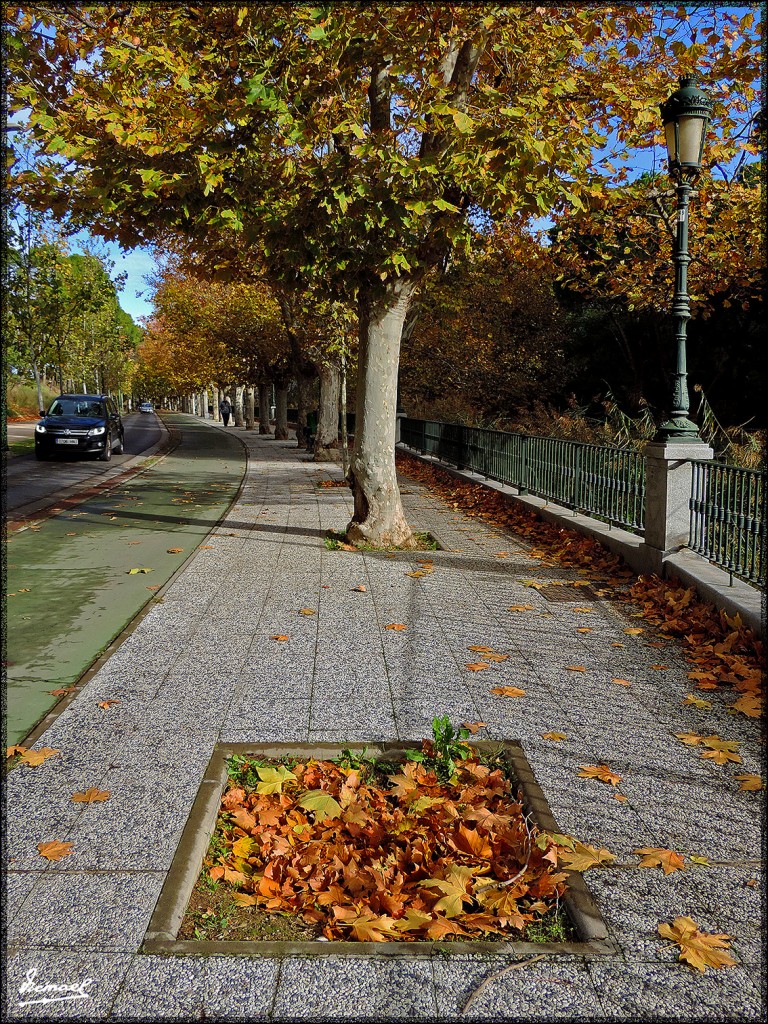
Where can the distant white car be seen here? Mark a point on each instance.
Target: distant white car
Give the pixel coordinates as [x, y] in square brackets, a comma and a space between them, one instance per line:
[146, 407]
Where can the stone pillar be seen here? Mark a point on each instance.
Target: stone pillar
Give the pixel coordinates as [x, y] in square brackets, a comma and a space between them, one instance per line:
[668, 475]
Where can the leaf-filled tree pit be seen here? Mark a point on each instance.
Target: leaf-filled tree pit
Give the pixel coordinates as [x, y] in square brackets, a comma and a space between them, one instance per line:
[437, 847]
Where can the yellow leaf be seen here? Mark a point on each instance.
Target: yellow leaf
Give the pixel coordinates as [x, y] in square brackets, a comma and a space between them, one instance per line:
[482, 648]
[556, 736]
[634, 630]
[750, 704]
[584, 629]
[133, 572]
[584, 857]
[244, 899]
[306, 611]
[174, 551]
[521, 608]
[698, 859]
[698, 702]
[690, 739]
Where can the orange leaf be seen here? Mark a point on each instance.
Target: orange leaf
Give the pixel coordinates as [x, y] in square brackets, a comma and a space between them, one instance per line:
[634, 630]
[575, 668]
[306, 611]
[622, 682]
[54, 850]
[620, 797]
[35, 757]
[107, 703]
[750, 783]
[521, 608]
[750, 704]
[481, 648]
[15, 749]
[174, 551]
[90, 796]
[556, 736]
[397, 626]
[474, 726]
[668, 860]
[508, 691]
[359, 589]
[699, 949]
[601, 772]
[278, 636]
[477, 666]
[62, 690]
[690, 739]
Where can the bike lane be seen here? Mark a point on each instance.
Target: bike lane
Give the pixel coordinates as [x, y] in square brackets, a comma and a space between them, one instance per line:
[78, 578]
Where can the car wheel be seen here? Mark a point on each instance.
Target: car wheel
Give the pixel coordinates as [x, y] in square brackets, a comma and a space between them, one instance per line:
[119, 448]
[106, 455]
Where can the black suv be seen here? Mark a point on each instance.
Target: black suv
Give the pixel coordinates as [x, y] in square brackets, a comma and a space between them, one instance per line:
[80, 424]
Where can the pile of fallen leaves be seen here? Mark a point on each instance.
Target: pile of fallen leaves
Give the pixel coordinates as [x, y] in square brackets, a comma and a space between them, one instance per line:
[723, 651]
[389, 855]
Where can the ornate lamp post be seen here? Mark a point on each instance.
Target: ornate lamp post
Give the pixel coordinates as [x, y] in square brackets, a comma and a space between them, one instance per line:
[685, 115]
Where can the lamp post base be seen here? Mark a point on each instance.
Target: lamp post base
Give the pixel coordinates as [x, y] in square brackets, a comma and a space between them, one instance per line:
[678, 429]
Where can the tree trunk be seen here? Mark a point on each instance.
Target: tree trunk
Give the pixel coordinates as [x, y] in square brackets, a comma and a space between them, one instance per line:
[378, 516]
[238, 406]
[39, 385]
[216, 399]
[327, 442]
[250, 416]
[281, 413]
[265, 398]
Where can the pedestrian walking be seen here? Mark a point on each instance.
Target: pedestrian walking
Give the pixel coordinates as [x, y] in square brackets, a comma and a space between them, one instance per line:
[226, 410]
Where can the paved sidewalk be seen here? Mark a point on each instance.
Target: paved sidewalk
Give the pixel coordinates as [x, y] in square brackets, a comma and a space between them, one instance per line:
[200, 669]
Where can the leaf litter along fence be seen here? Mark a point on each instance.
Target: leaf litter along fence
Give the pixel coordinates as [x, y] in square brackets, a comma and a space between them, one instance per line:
[727, 522]
[606, 483]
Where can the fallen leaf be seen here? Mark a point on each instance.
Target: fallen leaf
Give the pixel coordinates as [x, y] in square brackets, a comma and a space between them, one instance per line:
[14, 750]
[54, 850]
[690, 739]
[397, 626]
[36, 757]
[473, 726]
[634, 630]
[205, 547]
[62, 690]
[133, 572]
[620, 797]
[481, 648]
[660, 668]
[244, 899]
[622, 682]
[477, 666]
[90, 796]
[360, 590]
[107, 703]
[175, 551]
[556, 736]
[278, 636]
[584, 629]
[306, 611]
[585, 611]
[601, 772]
[508, 691]
[668, 860]
[697, 948]
[575, 668]
[697, 702]
[521, 608]
[273, 779]
[750, 783]
[321, 802]
[583, 857]
[156, 587]
[698, 859]
[750, 704]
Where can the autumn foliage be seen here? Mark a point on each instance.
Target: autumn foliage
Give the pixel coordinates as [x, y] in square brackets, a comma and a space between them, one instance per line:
[402, 855]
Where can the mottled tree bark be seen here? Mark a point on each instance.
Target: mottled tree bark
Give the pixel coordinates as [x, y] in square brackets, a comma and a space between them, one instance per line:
[327, 444]
[238, 406]
[250, 416]
[281, 412]
[265, 398]
[378, 514]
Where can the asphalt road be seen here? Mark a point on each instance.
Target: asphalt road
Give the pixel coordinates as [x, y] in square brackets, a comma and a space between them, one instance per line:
[29, 482]
[77, 576]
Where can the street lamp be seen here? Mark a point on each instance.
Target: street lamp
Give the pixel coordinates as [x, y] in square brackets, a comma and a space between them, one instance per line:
[685, 115]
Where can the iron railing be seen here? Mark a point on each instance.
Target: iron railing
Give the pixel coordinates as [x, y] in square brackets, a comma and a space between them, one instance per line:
[728, 518]
[605, 483]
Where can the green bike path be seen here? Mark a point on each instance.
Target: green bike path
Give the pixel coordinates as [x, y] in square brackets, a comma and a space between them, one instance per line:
[77, 579]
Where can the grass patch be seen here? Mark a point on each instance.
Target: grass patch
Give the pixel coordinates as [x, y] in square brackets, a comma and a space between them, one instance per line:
[336, 541]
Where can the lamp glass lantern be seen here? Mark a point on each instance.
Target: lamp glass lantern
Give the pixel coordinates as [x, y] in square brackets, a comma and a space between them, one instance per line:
[685, 115]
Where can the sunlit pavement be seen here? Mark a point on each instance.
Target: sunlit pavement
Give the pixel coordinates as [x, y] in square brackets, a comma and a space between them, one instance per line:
[202, 667]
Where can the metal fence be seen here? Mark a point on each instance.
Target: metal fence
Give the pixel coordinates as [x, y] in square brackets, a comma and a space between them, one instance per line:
[728, 518]
[605, 483]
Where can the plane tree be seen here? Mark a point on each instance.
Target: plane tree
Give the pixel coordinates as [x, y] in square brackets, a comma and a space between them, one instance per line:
[348, 143]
